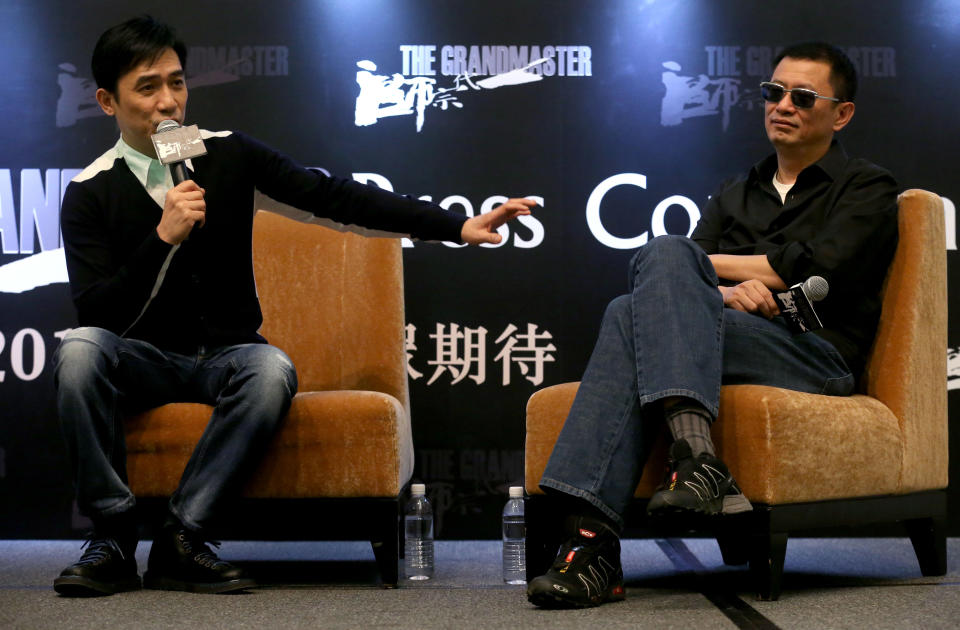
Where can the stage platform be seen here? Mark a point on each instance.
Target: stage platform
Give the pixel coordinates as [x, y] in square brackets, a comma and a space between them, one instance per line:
[870, 583]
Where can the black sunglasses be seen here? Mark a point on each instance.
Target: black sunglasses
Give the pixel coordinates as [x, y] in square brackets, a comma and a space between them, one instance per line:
[800, 97]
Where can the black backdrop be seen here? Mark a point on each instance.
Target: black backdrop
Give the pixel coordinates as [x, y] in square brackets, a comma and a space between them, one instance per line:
[640, 109]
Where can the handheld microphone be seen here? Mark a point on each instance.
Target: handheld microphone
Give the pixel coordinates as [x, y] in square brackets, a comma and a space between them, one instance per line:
[796, 304]
[175, 144]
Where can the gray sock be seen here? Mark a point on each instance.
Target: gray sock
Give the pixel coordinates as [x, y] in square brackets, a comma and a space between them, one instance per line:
[692, 424]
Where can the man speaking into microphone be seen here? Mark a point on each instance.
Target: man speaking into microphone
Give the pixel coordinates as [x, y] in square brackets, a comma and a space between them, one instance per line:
[161, 275]
[701, 312]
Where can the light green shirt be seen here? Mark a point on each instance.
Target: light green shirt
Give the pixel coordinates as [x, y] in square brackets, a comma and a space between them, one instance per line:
[154, 176]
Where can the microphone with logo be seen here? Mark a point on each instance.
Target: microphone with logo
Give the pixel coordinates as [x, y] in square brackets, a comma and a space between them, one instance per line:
[796, 304]
[175, 144]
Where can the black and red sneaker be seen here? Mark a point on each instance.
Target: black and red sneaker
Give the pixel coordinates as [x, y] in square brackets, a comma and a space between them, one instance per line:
[587, 571]
[699, 485]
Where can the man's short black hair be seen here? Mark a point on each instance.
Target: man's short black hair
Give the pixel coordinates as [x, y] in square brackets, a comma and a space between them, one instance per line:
[843, 74]
[125, 46]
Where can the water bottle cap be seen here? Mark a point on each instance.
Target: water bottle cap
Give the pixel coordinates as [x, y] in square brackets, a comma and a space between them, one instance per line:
[516, 492]
[418, 489]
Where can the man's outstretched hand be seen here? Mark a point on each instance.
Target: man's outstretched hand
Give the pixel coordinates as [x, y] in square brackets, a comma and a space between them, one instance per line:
[483, 228]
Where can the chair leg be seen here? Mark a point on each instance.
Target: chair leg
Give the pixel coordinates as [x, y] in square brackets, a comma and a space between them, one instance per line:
[542, 541]
[387, 548]
[733, 548]
[733, 534]
[766, 563]
[929, 538]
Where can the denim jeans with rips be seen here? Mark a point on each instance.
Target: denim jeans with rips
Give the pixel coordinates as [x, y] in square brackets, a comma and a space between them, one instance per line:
[101, 378]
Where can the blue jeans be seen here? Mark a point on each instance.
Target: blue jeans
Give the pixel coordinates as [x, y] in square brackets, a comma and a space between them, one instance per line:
[101, 378]
[672, 336]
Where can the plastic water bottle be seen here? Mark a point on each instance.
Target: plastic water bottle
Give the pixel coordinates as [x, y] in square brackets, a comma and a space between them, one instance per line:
[514, 539]
[418, 535]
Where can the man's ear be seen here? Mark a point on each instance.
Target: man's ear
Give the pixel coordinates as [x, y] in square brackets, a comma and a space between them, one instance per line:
[843, 114]
[107, 101]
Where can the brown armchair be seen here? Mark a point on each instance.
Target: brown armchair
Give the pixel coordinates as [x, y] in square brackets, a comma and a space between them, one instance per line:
[334, 303]
[808, 461]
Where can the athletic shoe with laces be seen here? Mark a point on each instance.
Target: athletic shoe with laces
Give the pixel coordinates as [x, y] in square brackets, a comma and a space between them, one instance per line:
[587, 571]
[180, 560]
[700, 485]
[103, 569]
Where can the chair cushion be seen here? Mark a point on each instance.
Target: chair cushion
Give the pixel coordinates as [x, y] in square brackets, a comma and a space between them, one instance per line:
[332, 444]
[782, 446]
[789, 447]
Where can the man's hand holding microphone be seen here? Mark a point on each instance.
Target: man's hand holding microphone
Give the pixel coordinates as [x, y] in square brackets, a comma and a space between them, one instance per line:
[184, 207]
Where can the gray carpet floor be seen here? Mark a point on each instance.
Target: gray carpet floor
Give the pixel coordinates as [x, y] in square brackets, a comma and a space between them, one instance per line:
[671, 583]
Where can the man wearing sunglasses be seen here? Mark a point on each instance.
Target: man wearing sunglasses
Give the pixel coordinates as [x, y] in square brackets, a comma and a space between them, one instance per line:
[701, 313]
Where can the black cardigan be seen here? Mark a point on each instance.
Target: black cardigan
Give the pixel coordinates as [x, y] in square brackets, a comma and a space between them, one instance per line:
[201, 293]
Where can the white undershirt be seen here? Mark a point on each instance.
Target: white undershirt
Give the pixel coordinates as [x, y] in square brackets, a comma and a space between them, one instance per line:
[783, 189]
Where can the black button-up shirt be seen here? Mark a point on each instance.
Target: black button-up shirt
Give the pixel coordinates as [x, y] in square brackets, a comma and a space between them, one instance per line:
[839, 221]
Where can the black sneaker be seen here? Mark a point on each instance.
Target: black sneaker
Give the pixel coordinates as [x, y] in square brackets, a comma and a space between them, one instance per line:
[587, 570]
[103, 569]
[700, 485]
[180, 560]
